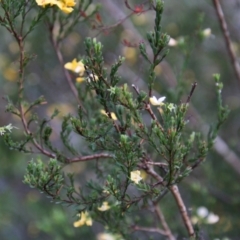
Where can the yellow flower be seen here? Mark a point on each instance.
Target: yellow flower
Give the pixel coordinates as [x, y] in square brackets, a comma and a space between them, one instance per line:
[77, 67]
[104, 207]
[85, 219]
[157, 102]
[113, 115]
[80, 79]
[45, 2]
[136, 176]
[64, 5]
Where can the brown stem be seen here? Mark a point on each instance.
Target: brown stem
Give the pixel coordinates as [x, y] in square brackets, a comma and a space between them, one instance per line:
[149, 109]
[161, 218]
[65, 71]
[182, 208]
[177, 196]
[144, 229]
[226, 35]
[22, 60]
[194, 85]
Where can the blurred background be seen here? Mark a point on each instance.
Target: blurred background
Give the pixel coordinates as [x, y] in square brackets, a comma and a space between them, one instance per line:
[212, 192]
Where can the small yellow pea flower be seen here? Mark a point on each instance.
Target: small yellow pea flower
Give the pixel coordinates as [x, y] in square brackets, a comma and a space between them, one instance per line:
[135, 176]
[113, 115]
[85, 219]
[77, 67]
[104, 207]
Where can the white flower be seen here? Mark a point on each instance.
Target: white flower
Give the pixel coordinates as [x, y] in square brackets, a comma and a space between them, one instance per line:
[212, 218]
[157, 102]
[172, 42]
[207, 32]
[108, 236]
[8, 128]
[202, 212]
[105, 236]
[136, 176]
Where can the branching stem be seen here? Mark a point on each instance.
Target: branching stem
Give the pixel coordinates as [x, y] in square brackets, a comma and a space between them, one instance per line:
[226, 35]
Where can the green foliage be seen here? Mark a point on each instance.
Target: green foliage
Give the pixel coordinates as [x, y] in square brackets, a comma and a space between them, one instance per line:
[134, 134]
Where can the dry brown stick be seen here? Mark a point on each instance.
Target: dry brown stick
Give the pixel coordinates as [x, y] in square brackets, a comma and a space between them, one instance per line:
[161, 218]
[66, 73]
[181, 206]
[178, 198]
[226, 35]
[144, 229]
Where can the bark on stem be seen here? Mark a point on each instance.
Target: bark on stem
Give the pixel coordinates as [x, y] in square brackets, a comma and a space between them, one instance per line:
[226, 35]
[182, 208]
[177, 196]
[161, 218]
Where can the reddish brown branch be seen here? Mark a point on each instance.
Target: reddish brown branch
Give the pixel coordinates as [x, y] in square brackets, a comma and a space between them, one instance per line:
[110, 27]
[226, 35]
[182, 208]
[177, 196]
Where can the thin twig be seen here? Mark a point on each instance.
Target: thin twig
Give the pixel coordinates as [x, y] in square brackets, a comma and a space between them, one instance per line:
[90, 157]
[182, 208]
[144, 229]
[149, 109]
[178, 198]
[194, 85]
[66, 73]
[226, 35]
[161, 218]
[108, 28]
[160, 164]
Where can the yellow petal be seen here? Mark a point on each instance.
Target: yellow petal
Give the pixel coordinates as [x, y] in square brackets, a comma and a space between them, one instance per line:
[104, 207]
[80, 79]
[84, 219]
[113, 115]
[136, 176]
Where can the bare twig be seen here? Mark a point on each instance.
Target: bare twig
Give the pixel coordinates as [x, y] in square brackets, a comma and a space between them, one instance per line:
[183, 211]
[55, 44]
[90, 157]
[226, 35]
[161, 218]
[66, 73]
[160, 164]
[194, 85]
[144, 229]
[110, 27]
[149, 109]
[178, 198]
